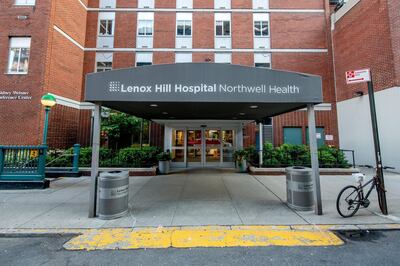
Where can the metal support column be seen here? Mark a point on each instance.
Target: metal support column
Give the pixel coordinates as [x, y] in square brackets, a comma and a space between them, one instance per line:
[314, 158]
[260, 138]
[95, 160]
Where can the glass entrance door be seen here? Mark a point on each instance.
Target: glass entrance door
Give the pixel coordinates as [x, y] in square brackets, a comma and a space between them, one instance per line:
[212, 147]
[194, 154]
[204, 147]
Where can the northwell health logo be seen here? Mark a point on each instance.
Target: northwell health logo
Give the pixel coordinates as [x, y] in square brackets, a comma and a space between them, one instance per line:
[114, 86]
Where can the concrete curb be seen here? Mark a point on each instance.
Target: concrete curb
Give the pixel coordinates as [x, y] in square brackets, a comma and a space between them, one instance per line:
[31, 232]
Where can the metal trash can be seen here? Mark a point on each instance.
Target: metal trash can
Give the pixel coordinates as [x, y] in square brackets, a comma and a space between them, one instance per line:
[299, 188]
[113, 194]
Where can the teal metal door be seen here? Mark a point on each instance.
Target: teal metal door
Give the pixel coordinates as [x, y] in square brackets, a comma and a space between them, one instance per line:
[292, 135]
[320, 136]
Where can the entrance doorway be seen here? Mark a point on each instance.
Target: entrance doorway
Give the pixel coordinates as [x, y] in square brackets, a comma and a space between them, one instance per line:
[203, 147]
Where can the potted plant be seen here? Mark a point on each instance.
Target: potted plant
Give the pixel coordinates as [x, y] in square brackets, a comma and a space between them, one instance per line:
[241, 159]
[164, 160]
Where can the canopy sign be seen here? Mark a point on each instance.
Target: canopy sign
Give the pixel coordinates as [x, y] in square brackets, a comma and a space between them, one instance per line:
[203, 82]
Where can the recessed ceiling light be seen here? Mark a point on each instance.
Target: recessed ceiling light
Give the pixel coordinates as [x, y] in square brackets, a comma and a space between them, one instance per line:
[172, 117]
[164, 113]
[234, 118]
[253, 106]
[153, 105]
[241, 113]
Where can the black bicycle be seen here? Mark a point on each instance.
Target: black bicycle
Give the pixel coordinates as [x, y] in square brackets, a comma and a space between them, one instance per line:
[351, 198]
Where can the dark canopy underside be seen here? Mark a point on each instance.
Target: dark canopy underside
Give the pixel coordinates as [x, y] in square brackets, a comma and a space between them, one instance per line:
[203, 91]
[220, 111]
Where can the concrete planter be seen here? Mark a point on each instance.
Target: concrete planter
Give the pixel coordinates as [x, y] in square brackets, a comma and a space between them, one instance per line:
[164, 167]
[242, 165]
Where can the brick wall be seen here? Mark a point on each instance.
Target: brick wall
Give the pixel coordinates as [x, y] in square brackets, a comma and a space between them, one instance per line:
[370, 47]
[203, 30]
[124, 36]
[242, 33]
[164, 30]
[394, 20]
[20, 121]
[63, 77]
[303, 30]
[303, 4]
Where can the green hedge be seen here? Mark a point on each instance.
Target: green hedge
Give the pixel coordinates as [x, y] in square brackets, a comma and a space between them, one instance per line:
[128, 157]
[290, 155]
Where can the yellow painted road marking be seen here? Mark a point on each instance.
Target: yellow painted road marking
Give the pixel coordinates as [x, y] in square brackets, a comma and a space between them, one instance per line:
[202, 236]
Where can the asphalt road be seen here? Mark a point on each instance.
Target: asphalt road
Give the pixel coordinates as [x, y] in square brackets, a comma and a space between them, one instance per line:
[374, 248]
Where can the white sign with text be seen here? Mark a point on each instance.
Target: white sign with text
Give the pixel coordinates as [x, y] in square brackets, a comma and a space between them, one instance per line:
[358, 76]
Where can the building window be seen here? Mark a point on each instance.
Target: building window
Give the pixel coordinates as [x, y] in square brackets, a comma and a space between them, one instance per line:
[184, 3]
[107, 3]
[260, 4]
[223, 28]
[183, 57]
[184, 28]
[262, 60]
[223, 58]
[263, 65]
[103, 66]
[145, 28]
[19, 55]
[146, 4]
[144, 59]
[25, 2]
[104, 62]
[106, 27]
[261, 28]
[222, 4]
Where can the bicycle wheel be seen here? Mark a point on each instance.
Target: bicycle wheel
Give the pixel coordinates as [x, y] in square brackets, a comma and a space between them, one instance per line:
[348, 201]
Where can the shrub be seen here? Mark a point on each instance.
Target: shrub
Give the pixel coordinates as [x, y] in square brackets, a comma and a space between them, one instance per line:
[289, 155]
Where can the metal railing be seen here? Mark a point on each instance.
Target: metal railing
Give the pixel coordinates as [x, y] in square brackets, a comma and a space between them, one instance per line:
[72, 158]
[22, 162]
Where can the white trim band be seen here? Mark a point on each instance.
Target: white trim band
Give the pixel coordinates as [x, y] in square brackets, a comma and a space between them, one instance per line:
[207, 50]
[68, 37]
[234, 10]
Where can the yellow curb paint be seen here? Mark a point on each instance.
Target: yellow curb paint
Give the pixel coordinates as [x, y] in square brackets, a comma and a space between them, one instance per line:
[202, 236]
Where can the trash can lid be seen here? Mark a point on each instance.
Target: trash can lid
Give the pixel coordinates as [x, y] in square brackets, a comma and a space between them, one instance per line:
[114, 174]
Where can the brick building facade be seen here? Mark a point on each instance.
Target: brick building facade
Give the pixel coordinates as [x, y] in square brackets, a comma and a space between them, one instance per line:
[70, 38]
[374, 29]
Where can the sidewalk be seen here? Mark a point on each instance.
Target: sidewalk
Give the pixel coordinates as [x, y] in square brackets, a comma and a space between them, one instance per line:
[189, 198]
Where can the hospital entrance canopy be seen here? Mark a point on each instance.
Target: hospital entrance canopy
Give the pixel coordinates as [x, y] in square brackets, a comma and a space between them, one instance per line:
[203, 91]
